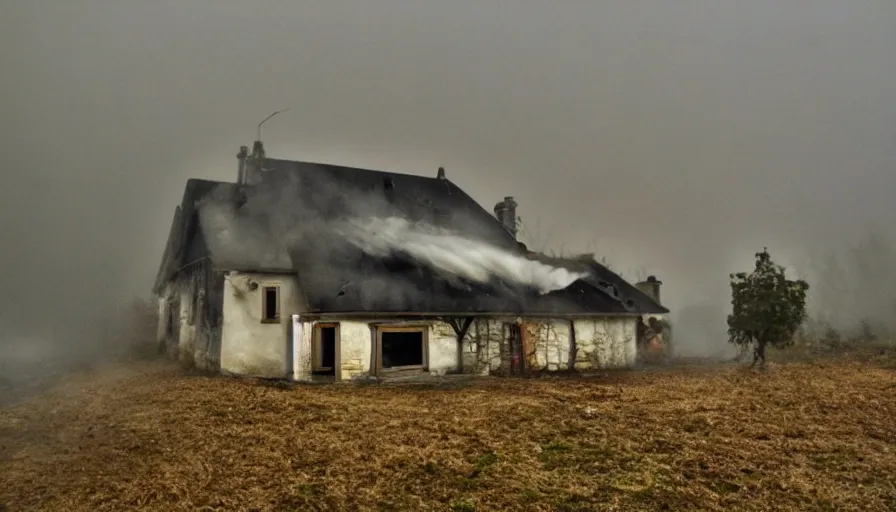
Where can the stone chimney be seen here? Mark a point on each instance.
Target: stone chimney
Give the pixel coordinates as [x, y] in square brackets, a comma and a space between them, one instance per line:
[241, 166]
[257, 149]
[252, 167]
[651, 287]
[505, 211]
[441, 174]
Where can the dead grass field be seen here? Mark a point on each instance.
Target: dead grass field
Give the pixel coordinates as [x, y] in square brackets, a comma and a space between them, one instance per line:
[810, 436]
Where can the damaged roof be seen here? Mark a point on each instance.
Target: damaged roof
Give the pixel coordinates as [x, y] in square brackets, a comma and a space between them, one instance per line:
[286, 219]
[182, 237]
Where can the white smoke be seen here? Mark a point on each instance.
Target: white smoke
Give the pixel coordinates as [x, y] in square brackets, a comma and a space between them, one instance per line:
[232, 238]
[453, 254]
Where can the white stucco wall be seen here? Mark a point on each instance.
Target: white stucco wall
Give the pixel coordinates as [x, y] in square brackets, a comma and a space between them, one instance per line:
[300, 344]
[355, 347]
[608, 342]
[442, 348]
[275, 350]
[249, 346]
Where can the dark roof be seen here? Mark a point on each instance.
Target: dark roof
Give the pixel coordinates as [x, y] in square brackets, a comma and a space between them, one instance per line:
[338, 192]
[640, 301]
[185, 226]
[292, 210]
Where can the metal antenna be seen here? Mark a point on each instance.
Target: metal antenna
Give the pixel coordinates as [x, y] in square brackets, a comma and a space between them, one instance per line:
[265, 120]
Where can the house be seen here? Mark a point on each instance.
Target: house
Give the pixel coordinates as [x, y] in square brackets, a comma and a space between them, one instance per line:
[303, 270]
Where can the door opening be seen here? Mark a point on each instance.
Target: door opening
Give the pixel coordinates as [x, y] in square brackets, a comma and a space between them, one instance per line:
[516, 363]
[325, 350]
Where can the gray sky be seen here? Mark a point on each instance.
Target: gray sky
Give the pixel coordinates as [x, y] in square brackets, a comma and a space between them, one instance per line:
[676, 137]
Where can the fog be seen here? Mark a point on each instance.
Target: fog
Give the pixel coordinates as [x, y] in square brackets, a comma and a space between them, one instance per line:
[676, 138]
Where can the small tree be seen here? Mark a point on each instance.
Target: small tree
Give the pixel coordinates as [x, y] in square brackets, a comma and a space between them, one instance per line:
[767, 308]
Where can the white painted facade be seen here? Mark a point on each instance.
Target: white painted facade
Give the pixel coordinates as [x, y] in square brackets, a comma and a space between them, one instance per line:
[283, 349]
[601, 343]
[250, 346]
[443, 349]
[356, 345]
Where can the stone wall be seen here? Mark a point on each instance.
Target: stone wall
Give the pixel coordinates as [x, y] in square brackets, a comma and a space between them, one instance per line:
[442, 348]
[355, 349]
[550, 350]
[608, 342]
[482, 346]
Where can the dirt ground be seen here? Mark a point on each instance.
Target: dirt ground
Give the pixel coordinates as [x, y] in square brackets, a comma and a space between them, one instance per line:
[145, 436]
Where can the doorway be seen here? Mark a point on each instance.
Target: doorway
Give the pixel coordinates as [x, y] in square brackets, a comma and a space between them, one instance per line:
[517, 363]
[325, 351]
[172, 327]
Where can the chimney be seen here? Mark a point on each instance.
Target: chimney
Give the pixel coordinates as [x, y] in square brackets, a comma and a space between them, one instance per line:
[257, 149]
[253, 164]
[651, 287]
[241, 166]
[441, 173]
[505, 211]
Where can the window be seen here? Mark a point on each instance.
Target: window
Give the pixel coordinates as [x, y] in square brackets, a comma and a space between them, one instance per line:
[402, 348]
[270, 304]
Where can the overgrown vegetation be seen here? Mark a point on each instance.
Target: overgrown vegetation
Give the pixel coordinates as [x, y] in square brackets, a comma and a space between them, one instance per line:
[766, 307]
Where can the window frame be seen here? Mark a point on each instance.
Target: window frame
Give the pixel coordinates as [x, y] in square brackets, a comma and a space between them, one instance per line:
[264, 303]
[317, 347]
[424, 339]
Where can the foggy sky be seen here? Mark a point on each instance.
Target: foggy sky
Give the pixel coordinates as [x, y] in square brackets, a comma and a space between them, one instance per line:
[676, 138]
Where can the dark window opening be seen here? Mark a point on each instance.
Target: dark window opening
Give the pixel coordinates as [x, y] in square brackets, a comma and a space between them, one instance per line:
[170, 311]
[388, 184]
[271, 304]
[402, 348]
[194, 299]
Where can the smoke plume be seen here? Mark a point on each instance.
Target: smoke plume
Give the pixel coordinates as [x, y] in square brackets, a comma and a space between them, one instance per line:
[450, 253]
[307, 210]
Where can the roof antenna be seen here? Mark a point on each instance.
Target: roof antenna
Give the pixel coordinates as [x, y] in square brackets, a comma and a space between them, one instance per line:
[265, 120]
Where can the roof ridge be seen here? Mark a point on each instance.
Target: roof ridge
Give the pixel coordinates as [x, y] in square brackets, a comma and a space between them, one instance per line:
[364, 169]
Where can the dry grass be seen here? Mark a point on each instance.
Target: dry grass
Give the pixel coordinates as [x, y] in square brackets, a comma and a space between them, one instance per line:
[810, 436]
